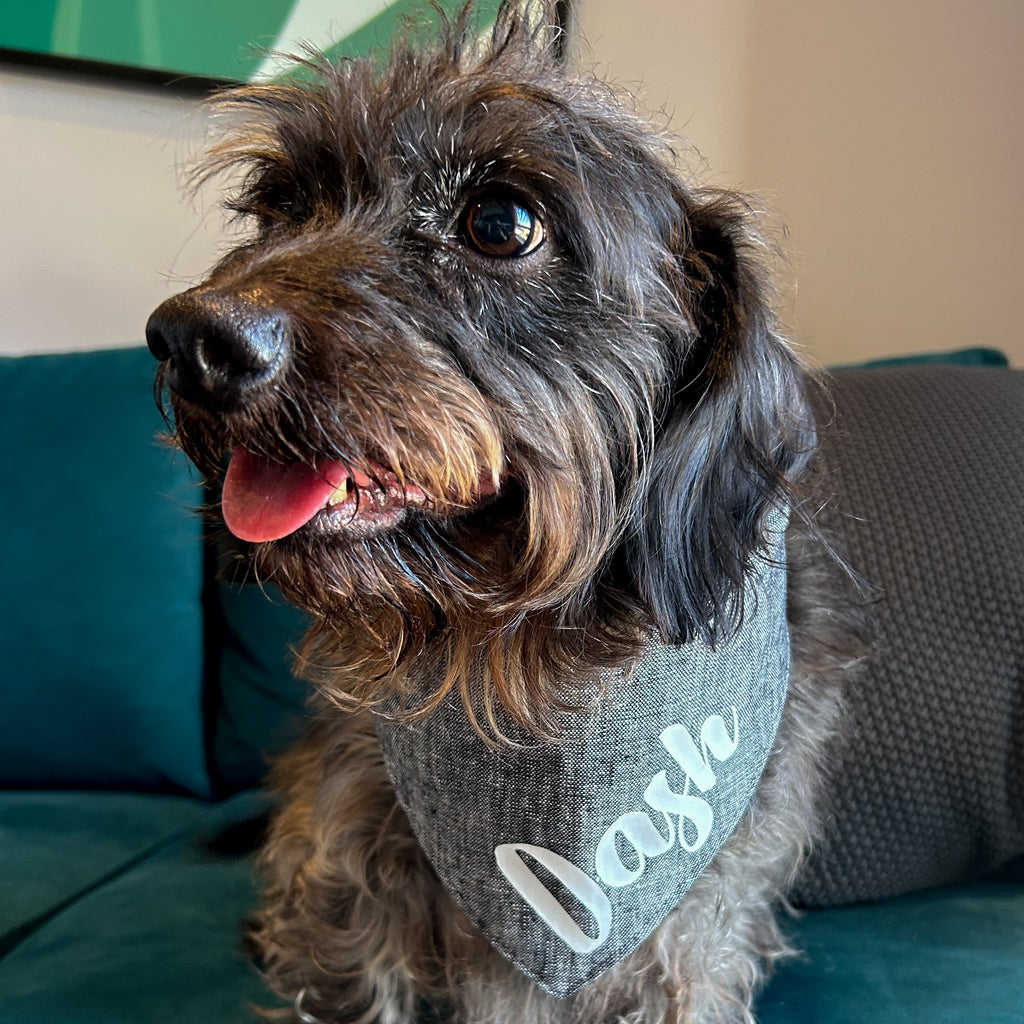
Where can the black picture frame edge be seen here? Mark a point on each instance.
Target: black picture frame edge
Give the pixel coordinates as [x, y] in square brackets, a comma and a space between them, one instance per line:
[97, 72]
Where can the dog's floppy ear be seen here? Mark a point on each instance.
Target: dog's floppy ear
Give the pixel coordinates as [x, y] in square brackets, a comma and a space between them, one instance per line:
[733, 436]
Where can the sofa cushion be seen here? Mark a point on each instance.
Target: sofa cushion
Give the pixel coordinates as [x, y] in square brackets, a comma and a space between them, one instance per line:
[56, 846]
[101, 637]
[977, 356]
[948, 956]
[259, 705]
[158, 937]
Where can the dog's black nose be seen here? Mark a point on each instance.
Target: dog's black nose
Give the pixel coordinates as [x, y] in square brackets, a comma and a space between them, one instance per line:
[219, 348]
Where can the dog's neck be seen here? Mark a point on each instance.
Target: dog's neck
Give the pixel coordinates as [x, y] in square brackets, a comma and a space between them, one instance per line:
[624, 810]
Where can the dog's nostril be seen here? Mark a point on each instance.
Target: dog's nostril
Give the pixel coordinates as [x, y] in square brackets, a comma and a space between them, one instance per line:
[244, 347]
[218, 347]
[216, 357]
[157, 342]
[238, 353]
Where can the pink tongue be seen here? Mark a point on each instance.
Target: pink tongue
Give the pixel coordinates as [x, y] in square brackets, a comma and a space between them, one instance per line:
[264, 500]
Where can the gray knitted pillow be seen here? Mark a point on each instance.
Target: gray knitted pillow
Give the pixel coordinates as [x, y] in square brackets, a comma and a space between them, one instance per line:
[929, 788]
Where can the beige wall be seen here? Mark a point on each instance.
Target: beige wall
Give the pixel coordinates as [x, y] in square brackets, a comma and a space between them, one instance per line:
[688, 64]
[888, 135]
[93, 231]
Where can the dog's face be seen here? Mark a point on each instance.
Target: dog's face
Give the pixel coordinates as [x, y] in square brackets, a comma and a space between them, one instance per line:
[485, 360]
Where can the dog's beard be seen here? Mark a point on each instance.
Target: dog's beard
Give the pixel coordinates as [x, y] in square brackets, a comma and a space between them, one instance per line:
[506, 571]
[437, 594]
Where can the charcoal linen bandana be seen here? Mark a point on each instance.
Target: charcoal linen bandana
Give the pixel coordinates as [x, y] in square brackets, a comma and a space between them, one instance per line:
[567, 855]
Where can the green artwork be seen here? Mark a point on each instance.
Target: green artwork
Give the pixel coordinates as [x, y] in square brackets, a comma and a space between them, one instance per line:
[225, 39]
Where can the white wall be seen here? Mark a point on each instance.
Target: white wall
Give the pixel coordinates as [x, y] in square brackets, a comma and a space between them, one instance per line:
[887, 134]
[93, 229]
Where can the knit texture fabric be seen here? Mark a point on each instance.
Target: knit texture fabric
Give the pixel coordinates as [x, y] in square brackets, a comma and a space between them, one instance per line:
[929, 785]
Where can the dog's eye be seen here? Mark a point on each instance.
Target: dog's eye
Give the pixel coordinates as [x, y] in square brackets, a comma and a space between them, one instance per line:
[286, 207]
[271, 204]
[500, 225]
[294, 209]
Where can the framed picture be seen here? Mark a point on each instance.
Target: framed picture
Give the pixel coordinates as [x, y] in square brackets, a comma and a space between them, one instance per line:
[198, 43]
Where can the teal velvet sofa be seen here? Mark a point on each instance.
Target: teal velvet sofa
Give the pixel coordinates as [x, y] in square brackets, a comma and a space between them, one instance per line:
[128, 807]
[140, 700]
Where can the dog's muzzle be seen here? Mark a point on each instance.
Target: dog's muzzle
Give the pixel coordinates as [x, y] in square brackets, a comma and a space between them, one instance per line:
[219, 349]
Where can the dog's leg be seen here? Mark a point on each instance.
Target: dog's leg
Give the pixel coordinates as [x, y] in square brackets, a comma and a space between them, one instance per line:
[348, 922]
[355, 925]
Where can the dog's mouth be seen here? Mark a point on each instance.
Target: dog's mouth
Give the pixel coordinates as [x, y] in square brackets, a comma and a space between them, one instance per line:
[264, 500]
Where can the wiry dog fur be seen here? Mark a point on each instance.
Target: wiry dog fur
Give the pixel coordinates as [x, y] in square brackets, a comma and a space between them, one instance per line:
[600, 425]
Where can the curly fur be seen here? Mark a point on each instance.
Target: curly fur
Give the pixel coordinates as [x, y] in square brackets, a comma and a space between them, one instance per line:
[626, 391]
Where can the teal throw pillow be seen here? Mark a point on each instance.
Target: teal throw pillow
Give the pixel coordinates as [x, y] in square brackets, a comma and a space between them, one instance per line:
[101, 682]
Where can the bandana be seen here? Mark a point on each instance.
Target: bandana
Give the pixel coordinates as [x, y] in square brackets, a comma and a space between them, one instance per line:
[568, 854]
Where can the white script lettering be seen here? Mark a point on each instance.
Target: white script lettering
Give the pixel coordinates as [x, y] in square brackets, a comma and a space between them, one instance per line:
[551, 912]
[636, 829]
[696, 765]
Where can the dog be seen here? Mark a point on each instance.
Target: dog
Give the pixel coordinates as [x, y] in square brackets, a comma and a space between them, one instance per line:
[501, 400]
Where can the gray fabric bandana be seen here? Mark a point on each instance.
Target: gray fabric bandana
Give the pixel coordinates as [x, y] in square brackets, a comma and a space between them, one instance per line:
[567, 855]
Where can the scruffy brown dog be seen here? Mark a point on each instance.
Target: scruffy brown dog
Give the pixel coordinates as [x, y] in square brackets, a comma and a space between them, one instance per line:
[502, 402]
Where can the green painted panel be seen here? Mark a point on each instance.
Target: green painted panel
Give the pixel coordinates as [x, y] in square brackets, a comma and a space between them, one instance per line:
[27, 26]
[209, 38]
[192, 36]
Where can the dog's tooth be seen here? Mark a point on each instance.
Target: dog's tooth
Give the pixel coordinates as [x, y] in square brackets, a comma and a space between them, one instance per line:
[342, 493]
